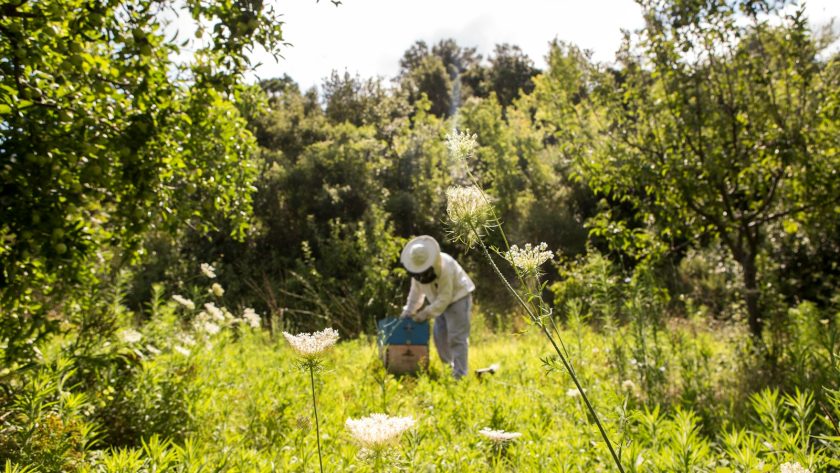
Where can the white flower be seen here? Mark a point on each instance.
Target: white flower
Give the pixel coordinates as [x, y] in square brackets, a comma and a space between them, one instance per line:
[205, 322]
[217, 289]
[469, 212]
[184, 301]
[208, 270]
[152, 349]
[182, 350]
[793, 467]
[130, 335]
[530, 258]
[499, 436]
[217, 314]
[309, 345]
[187, 339]
[211, 328]
[251, 317]
[461, 145]
[378, 430]
[572, 392]
[628, 385]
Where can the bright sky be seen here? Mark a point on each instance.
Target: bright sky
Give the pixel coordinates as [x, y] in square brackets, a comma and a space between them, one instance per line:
[368, 37]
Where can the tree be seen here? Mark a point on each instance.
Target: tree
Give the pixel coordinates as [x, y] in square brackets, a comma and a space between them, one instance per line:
[431, 80]
[511, 73]
[447, 73]
[358, 101]
[715, 128]
[456, 60]
[104, 137]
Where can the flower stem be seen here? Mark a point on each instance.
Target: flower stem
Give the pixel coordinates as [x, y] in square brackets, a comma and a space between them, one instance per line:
[315, 408]
[563, 359]
[377, 462]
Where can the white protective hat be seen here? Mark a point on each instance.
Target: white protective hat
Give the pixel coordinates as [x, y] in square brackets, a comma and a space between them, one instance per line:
[420, 253]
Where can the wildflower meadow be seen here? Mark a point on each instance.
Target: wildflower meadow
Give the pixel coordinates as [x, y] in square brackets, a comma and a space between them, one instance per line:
[201, 247]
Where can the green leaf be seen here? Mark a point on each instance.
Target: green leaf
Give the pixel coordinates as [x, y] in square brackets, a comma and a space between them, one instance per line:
[790, 226]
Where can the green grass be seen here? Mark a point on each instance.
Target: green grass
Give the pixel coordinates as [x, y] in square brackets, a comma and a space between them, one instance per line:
[249, 409]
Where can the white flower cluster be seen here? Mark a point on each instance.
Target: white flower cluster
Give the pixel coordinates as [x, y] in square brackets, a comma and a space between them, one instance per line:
[187, 340]
[251, 317]
[469, 212]
[211, 328]
[793, 467]
[208, 320]
[208, 270]
[182, 350]
[309, 345]
[130, 335]
[184, 301]
[530, 258]
[461, 145]
[152, 349]
[217, 289]
[378, 430]
[215, 313]
[464, 203]
[499, 436]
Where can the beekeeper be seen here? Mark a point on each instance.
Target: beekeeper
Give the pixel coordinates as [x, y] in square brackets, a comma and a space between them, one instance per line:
[437, 278]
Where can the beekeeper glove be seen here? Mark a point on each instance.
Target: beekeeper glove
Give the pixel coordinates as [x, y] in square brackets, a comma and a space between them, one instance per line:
[406, 314]
[421, 315]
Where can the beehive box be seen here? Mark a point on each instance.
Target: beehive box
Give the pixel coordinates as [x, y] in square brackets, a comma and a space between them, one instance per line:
[398, 331]
[403, 344]
[402, 359]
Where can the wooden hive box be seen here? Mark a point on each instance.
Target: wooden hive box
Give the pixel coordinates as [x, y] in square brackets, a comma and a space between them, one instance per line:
[403, 344]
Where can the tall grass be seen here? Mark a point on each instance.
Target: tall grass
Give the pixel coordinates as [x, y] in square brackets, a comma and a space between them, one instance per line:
[251, 400]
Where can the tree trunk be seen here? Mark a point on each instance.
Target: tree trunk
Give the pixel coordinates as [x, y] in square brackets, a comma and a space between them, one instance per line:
[751, 294]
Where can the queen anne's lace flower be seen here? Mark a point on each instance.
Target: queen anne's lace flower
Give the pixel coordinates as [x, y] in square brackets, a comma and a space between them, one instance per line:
[211, 328]
[152, 349]
[530, 258]
[378, 430]
[251, 317]
[461, 145]
[217, 289]
[184, 301]
[469, 212]
[214, 312]
[130, 335]
[208, 270]
[309, 345]
[499, 436]
[206, 322]
[793, 467]
[182, 350]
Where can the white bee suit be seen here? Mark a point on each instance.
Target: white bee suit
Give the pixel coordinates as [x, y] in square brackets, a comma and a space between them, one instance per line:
[450, 304]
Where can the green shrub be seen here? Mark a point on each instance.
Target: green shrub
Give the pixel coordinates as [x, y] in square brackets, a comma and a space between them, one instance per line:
[45, 424]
